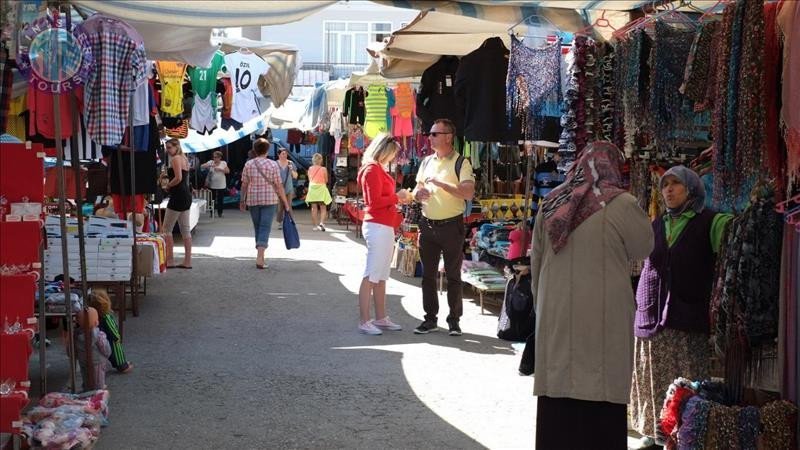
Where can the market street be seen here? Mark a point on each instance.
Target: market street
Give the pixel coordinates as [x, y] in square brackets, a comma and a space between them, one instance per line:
[228, 356]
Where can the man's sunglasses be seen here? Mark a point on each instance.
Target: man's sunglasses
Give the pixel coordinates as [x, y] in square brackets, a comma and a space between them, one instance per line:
[437, 133]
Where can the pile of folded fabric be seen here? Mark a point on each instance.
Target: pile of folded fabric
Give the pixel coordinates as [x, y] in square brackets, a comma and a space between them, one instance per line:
[66, 421]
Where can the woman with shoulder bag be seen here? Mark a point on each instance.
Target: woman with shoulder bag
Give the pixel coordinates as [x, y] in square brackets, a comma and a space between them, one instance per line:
[262, 189]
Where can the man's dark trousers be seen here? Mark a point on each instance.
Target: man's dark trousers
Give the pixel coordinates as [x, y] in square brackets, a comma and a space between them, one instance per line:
[446, 237]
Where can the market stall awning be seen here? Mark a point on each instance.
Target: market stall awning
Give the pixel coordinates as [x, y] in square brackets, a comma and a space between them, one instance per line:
[185, 44]
[208, 14]
[487, 9]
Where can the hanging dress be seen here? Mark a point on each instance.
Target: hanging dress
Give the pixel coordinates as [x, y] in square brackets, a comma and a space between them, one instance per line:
[533, 85]
[403, 111]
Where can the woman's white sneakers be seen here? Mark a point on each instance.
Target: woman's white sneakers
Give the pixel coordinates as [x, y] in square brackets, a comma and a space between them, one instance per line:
[387, 324]
[369, 328]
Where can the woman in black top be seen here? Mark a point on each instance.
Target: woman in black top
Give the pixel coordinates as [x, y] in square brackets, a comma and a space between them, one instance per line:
[180, 200]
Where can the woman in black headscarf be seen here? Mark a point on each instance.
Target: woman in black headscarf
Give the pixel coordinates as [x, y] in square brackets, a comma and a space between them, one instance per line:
[672, 320]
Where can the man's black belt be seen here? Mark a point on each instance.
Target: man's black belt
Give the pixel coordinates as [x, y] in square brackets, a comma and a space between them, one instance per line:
[434, 222]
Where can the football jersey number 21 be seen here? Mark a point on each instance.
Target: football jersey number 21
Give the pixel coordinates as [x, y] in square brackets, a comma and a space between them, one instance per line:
[242, 78]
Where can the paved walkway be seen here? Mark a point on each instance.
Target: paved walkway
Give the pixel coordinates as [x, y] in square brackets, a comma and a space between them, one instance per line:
[228, 356]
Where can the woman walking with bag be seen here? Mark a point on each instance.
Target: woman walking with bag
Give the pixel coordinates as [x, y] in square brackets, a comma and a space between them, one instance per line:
[318, 196]
[262, 189]
[380, 220]
[288, 175]
[180, 201]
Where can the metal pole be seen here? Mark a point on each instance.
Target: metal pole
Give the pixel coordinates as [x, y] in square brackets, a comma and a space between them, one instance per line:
[63, 219]
[76, 165]
[132, 142]
[42, 322]
[526, 206]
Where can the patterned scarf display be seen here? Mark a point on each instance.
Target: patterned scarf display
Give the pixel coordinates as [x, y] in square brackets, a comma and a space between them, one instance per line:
[745, 303]
[739, 119]
[694, 424]
[592, 182]
[533, 84]
[749, 427]
[778, 418]
[694, 419]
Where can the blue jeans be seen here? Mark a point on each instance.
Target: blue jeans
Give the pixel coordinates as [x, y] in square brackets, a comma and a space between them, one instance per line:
[262, 222]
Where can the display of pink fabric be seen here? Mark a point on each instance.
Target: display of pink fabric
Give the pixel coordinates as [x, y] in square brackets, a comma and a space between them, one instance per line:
[520, 243]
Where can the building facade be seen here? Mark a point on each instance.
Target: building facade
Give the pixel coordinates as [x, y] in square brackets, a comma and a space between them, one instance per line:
[334, 40]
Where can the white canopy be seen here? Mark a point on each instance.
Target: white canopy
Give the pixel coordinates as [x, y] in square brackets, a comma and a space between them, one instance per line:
[207, 13]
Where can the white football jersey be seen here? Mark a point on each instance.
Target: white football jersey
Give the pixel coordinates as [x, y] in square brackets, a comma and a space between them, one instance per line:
[245, 70]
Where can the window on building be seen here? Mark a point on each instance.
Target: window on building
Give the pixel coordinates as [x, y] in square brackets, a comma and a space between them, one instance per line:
[346, 42]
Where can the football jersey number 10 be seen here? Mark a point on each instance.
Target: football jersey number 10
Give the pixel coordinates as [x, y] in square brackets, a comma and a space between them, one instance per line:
[243, 79]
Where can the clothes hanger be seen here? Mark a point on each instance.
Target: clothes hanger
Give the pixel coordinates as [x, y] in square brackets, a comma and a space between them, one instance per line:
[709, 13]
[600, 22]
[527, 21]
[245, 51]
[688, 4]
[791, 204]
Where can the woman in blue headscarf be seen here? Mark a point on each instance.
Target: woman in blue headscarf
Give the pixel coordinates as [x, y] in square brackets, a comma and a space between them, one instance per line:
[672, 299]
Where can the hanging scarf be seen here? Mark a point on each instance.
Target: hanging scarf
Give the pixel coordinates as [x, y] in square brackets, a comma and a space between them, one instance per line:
[789, 25]
[698, 66]
[744, 307]
[672, 112]
[718, 122]
[750, 113]
[694, 187]
[592, 182]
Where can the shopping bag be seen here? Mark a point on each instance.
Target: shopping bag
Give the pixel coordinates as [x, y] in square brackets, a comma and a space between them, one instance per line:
[290, 235]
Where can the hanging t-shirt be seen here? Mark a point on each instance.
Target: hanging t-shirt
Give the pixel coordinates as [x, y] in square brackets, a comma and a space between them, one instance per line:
[141, 104]
[171, 75]
[42, 118]
[245, 69]
[227, 97]
[377, 106]
[16, 122]
[204, 79]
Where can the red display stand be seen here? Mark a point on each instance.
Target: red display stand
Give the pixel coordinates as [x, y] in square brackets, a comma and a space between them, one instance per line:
[17, 350]
[17, 293]
[21, 178]
[22, 172]
[11, 407]
[19, 242]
